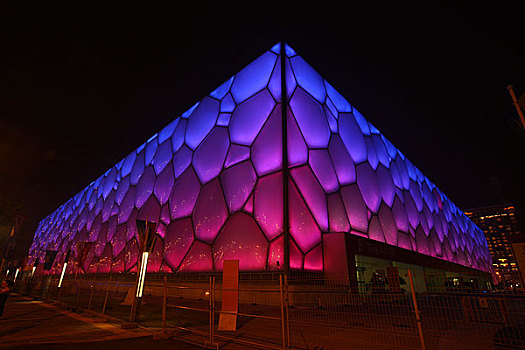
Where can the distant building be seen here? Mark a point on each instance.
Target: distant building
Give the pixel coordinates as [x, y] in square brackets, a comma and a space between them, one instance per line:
[501, 228]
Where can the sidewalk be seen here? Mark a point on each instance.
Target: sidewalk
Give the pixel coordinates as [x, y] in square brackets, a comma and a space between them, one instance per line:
[29, 324]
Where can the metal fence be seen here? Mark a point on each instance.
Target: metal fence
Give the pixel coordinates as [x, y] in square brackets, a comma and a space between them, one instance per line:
[300, 311]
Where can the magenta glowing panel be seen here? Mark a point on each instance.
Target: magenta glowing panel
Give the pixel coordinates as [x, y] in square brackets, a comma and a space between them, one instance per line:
[212, 179]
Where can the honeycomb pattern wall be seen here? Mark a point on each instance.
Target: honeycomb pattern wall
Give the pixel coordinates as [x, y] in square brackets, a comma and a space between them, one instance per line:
[213, 181]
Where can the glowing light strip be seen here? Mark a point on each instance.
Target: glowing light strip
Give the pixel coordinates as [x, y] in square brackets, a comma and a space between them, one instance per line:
[16, 274]
[142, 275]
[33, 272]
[62, 275]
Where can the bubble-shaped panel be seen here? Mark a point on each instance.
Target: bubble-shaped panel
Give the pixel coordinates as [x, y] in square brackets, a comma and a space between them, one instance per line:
[184, 194]
[238, 182]
[303, 227]
[268, 204]
[308, 78]
[310, 118]
[178, 239]
[267, 149]
[254, 77]
[201, 121]
[209, 156]
[210, 212]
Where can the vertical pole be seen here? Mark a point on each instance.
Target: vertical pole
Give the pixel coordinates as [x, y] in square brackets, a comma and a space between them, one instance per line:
[284, 117]
[283, 329]
[164, 304]
[515, 102]
[107, 296]
[287, 315]
[416, 310]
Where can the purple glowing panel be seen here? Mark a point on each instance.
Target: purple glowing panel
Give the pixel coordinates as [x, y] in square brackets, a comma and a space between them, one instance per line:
[355, 207]
[343, 163]
[313, 194]
[275, 81]
[303, 227]
[237, 154]
[311, 119]
[388, 224]
[372, 156]
[249, 117]
[145, 187]
[313, 260]
[201, 121]
[366, 179]
[238, 182]
[268, 204]
[127, 205]
[184, 194]
[198, 259]
[352, 137]
[164, 184]
[412, 213]
[297, 149]
[209, 156]
[106, 210]
[323, 169]
[400, 215]
[122, 189]
[210, 212]
[337, 215]
[241, 239]
[375, 231]
[119, 240]
[386, 185]
[224, 119]
[150, 211]
[254, 77]
[162, 157]
[181, 160]
[156, 256]
[267, 149]
[308, 78]
[178, 239]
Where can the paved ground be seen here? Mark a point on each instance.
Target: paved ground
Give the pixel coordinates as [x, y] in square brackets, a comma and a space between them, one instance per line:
[29, 324]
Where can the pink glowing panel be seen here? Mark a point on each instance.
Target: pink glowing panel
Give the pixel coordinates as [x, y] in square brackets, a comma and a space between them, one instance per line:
[127, 205]
[343, 163]
[106, 209]
[237, 154]
[267, 149]
[296, 257]
[249, 205]
[138, 169]
[415, 191]
[249, 117]
[241, 239]
[111, 228]
[210, 212]
[297, 149]
[375, 231]
[254, 77]
[337, 214]
[164, 184]
[130, 256]
[238, 182]
[145, 187]
[162, 157]
[372, 156]
[178, 135]
[388, 224]
[311, 119]
[313, 194]
[119, 240]
[161, 228]
[209, 156]
[155, 257]
[403, 241]
[150, 211]
[95, 229]
[386, 185]
[276, 255]
[313, 260]
[201, 121]
[122, 189]
[184, 194]
[178, 239]
[104, 264]
[303, 228]
[437, 244]
[181, 160]
[198, 259]
[352, 137]
[308, 78]
[400, 216]
[268, 204]
[324, 171]
[422, 242]
[355, 207]
[381, 151]
[366, 179]
[439, 201]
[131, 225]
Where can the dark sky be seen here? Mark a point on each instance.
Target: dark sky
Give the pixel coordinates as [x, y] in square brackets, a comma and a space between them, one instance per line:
[82, 87]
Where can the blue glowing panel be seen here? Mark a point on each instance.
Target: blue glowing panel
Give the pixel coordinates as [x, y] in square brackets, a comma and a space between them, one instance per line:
[343, 163]
[308, 78]
[352, 137]
[222, 90]
[166, 133]
[338, 100]
[323, 169]
[254, 77]
[210, 155]
[162, 157]
[311, 119]
[201, 121]
[181, 160]
[297, 149]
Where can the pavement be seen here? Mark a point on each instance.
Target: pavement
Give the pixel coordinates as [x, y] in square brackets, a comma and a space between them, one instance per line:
[32, 324]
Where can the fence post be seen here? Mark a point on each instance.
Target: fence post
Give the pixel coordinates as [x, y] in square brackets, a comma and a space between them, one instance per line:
[416, 310]
[164, 304]
[107, 295]
[283, 329]
[287, 314]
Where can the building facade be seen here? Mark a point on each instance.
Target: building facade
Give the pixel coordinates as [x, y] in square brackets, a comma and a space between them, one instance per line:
[501, 228]
[274, 168]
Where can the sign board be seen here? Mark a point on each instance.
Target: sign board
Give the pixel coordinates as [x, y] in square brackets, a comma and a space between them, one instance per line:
[230, 296]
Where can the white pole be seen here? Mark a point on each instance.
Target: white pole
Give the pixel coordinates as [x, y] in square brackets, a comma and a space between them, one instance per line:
[62, 275]
[33, 271]
[142, 275]
[16, 274]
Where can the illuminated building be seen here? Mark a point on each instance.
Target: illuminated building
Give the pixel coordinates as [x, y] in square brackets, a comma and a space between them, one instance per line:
[214, 179]
[500, 226]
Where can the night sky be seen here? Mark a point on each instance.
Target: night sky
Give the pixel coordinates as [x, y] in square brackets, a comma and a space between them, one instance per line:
[81, 88]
